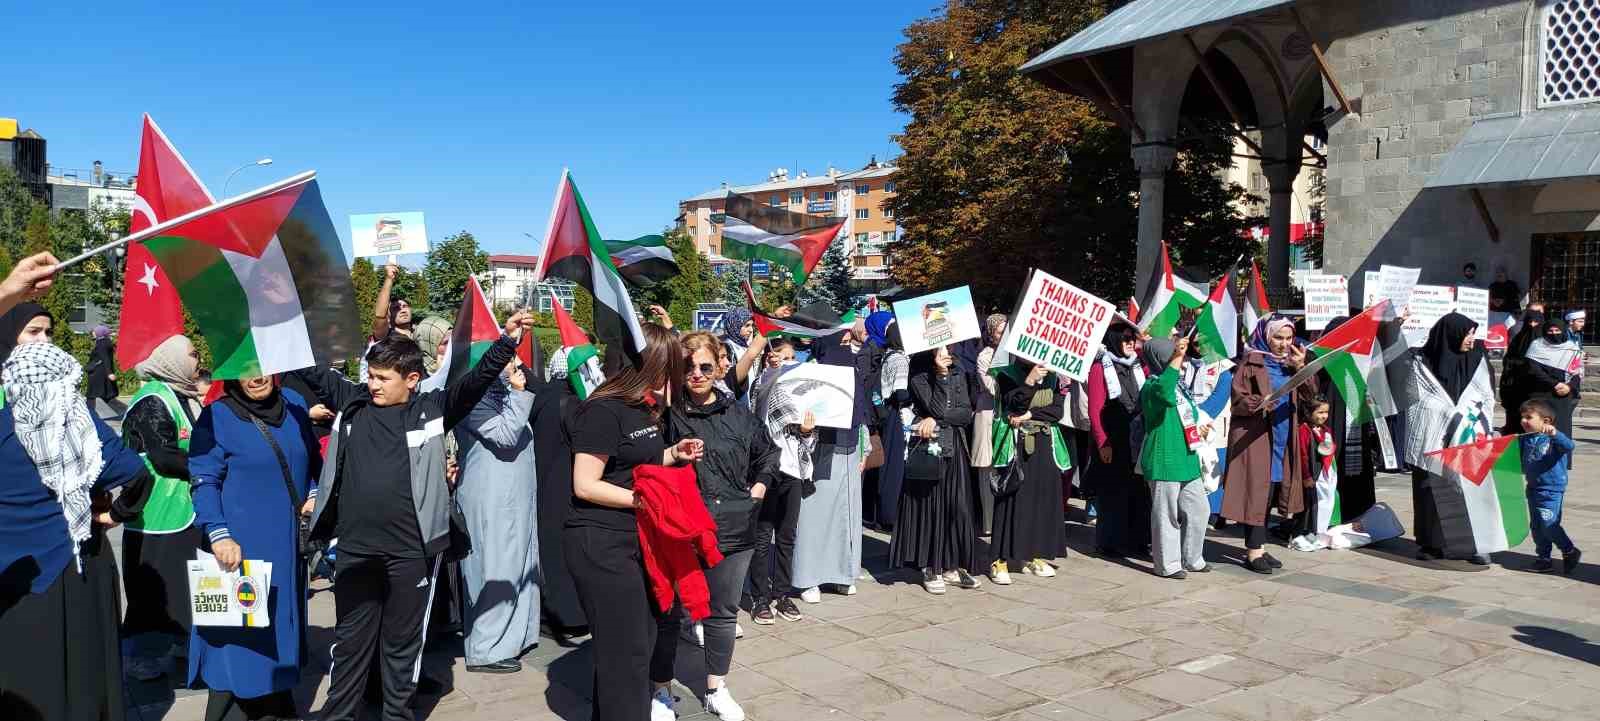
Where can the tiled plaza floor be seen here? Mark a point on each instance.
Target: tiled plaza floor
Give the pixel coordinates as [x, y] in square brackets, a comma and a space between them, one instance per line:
[1368, 635]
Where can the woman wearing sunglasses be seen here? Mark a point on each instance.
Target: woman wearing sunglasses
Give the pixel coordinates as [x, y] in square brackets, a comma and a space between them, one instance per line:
[739, 465]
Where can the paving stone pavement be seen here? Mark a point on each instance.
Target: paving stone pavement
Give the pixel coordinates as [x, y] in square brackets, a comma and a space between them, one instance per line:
[1367, 635]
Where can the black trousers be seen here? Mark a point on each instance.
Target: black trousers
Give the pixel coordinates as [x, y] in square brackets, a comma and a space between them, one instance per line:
[627, 634]
[775, 526]
[224, 706]
[382, 607]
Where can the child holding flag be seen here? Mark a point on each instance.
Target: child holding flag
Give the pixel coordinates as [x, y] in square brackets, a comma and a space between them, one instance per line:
[1544, 463]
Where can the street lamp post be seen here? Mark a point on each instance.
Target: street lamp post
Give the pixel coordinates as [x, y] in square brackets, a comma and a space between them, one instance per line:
[261, 162]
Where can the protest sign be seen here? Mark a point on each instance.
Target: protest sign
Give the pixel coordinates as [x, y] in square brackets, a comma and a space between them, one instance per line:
[1327, 297]
[229, 598]
[1429, 303]
[937, 319]
[1395, 283]
[381, 234]
[1369, 289]
[1057, 325]
[825, 390]
[1474, 303]
[708, 320]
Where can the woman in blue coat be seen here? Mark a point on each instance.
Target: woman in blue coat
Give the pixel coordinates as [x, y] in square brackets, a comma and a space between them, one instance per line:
[248, 509]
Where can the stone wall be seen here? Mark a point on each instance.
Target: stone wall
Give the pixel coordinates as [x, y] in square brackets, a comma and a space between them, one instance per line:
[1423, 70]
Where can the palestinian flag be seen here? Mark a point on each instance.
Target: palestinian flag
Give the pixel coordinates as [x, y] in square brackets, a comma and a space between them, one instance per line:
[573, 250]
[751, 231]
[475, 330]
[265, 277]
[643, 261]
[1489, 472]
[583, 360]
[1358, 372]
[1218, 324]
[770, 325]
[1256, 306]
[1167, 295]
[168, 188]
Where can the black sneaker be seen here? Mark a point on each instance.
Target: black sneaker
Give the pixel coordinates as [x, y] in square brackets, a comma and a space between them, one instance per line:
[1542, 565]
[787, 610]
[1259, 565]
[1569, 561]
[1273, 562]
[761, 613]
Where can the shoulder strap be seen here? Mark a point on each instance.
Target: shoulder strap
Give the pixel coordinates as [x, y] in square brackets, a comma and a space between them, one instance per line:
[283, 465]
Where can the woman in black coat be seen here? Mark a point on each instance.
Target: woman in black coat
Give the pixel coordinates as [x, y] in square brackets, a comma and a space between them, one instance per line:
[934, 530]
[102, 369]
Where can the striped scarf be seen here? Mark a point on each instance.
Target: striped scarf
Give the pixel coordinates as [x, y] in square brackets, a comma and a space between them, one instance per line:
[53, 424]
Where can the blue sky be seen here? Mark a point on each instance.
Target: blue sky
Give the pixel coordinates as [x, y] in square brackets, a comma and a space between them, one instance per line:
[469, 110]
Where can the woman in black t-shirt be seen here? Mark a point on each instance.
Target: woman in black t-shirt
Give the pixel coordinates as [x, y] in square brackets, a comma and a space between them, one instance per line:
[616, 429]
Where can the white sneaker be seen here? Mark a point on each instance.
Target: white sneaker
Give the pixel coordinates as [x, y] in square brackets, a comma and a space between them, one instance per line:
[738, 631]
[1039, 567]
[811, 595]
[661, 706]
[850, 590]
[700, 635]
[721, 704]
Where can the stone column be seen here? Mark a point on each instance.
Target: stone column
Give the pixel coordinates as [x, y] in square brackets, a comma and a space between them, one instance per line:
[1280, 215]
[1152, 160]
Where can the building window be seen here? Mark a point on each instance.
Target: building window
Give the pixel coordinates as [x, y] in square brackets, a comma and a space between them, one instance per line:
[888, 187]
[861, 239]
[797, 196]
[863, 214]
[777, 199]
[888, 212]
[863, 189]
[888, 236]
[1568, 56]
[829, 196]
[815, 196]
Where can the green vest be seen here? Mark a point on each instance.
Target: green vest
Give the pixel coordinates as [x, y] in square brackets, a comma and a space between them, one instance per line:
[170, 508]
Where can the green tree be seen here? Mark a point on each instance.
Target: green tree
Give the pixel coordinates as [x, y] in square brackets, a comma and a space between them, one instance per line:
[829, 282]
[450, 264]
[1000, 173]
[366, 279]
[732, 281]
[683, 293]
[777, 289]
[16, 204]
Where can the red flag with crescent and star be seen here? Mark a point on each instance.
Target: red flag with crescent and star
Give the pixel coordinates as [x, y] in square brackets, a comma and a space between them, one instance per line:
[151, 311]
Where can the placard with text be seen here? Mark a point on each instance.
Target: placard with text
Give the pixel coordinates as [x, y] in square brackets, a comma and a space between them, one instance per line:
[1058, 325]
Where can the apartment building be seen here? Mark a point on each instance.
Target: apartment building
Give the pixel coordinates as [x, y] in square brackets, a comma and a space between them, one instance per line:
[509, 283]
[860, 197]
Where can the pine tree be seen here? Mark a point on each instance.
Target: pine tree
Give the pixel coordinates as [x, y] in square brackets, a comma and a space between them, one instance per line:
[829, 282]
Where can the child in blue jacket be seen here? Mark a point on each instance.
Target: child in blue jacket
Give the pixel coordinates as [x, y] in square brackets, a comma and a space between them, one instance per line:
[1544, 463]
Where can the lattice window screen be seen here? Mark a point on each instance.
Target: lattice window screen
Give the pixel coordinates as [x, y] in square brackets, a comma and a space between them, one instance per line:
[1570, 53]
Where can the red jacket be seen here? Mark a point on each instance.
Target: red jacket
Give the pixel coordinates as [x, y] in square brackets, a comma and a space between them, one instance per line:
[676, 536]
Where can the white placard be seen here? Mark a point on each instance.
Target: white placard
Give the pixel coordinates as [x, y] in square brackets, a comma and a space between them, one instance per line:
[827, 391]
[936, 320]
[229, 598]
[384, 234]
[1369, 289]
[1327, 297]
[1057, 325]
[1474, 303]
[1395, 283]
[1429, 303]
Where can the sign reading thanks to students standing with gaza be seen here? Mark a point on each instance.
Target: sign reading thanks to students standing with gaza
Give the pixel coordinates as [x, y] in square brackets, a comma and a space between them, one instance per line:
[1058, 325]
[377, 234]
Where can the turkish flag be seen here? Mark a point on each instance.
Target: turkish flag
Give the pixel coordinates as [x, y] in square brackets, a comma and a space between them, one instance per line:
[151, 312]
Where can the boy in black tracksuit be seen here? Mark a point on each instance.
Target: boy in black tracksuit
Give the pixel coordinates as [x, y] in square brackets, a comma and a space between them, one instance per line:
[387, 452]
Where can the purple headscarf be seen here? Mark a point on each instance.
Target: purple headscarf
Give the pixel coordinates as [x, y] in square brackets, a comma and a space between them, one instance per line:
[100, 331]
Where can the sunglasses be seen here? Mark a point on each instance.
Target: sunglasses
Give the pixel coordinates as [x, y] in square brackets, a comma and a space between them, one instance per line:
[705, 369]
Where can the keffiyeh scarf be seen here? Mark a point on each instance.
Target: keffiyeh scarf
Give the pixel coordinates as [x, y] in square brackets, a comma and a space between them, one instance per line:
[52, 422]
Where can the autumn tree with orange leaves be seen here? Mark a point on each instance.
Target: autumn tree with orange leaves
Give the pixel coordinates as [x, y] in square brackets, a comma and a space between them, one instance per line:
[1000, 173]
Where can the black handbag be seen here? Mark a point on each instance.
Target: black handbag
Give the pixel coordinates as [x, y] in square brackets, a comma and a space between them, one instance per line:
[305, 547]
[1007, 481]
[922, 465]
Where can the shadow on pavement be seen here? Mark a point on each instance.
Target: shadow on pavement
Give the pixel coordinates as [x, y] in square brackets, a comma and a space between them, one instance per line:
[1566, 644]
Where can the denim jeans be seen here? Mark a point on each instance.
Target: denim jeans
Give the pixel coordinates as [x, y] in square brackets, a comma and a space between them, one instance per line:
[1544, 519]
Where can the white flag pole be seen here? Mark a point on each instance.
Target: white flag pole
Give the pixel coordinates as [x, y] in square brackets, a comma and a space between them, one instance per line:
[165, 225]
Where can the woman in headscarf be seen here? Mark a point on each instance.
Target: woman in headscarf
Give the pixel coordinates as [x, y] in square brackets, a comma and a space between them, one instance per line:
[1357, 469]
[161, 540]
[994, 328]
[1029, 524]
[59, 604]
[1551, 374]
[1514, 368]
[554, 401]
[1121, 500]
[883, 484]
[254, 460]
[934, 530]
[102, 370]
[738, 334]
[1452, 399]
[1264, 468]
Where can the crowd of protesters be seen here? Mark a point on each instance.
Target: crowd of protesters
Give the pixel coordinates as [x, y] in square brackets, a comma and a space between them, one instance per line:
[647, 513]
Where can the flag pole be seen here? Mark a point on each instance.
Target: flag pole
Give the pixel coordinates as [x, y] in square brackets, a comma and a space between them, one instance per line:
[555, 205]
[165, 225]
